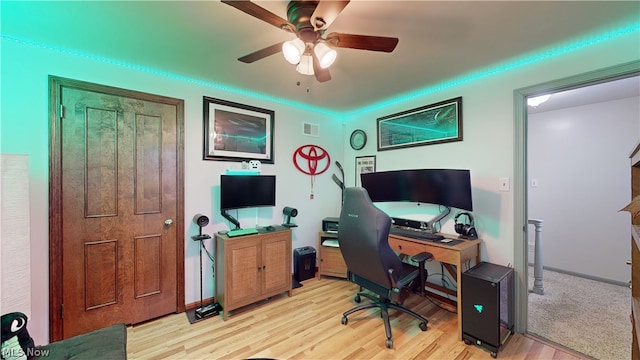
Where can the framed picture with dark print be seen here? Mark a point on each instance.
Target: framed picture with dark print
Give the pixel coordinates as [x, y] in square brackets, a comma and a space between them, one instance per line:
[237, 132]
[432, 124]
[364, 165]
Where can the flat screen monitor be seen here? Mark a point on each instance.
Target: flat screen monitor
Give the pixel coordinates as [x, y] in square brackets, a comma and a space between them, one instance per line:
[245, 191]
[446, 187]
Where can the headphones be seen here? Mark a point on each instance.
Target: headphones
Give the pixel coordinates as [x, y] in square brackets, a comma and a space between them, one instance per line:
[466, 231]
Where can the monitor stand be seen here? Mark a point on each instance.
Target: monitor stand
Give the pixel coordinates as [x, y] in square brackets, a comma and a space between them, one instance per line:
[429, 224]
[233, 220]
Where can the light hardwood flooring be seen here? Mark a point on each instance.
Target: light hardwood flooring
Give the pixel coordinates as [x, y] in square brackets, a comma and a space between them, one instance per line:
[307, 326]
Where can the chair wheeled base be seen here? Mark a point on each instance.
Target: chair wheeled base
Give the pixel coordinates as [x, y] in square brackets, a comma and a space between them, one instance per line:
[383, 305]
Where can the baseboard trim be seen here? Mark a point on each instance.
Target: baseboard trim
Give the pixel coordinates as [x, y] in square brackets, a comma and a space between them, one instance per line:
[209, 300]
[585, 276]
[194, 305]
[559, 347]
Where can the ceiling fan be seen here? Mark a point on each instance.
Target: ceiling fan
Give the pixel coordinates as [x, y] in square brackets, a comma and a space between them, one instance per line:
[309, 20]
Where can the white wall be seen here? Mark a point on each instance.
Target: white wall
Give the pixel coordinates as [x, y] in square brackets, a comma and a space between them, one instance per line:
[579, 158]
[488, 127]
[487, 148]
[25, 130]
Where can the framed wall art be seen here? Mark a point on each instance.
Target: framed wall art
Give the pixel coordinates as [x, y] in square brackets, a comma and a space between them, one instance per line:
[364, 165]
[237, 132]
[432, 124]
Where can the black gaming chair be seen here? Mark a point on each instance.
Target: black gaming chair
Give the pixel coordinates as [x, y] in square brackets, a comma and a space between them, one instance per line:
[371, 263]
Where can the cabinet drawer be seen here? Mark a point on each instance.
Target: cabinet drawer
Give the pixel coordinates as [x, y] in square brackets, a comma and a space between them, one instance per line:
[406, 247]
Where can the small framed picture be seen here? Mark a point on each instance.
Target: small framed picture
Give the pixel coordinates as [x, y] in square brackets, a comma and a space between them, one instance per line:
[364, 165]
[237, 132]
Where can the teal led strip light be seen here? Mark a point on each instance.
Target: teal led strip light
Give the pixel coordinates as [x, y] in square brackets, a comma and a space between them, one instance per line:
[391, 101]
[170, 75]
[498, 69]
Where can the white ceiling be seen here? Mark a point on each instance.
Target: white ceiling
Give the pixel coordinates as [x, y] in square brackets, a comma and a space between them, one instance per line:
[201, 40]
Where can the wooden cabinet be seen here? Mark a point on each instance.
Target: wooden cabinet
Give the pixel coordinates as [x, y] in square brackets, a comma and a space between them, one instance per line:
[252, 268]
[331, 261]
[635, 254]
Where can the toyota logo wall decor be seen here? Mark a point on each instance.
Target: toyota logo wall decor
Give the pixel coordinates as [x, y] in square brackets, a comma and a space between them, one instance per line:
[311, 160]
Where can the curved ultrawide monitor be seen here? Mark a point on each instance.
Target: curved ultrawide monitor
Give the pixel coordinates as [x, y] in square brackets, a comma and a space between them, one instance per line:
[446, 187]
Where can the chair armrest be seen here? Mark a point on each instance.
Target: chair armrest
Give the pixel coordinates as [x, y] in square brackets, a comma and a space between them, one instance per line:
[422, 257]
[394, 284]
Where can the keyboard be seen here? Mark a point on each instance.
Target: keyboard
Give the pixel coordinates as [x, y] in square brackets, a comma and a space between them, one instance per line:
[241, 232]
[415, 234]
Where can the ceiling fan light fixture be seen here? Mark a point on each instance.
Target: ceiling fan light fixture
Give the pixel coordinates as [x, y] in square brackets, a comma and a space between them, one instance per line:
[292, 50]
[305, 67]
[326, 55]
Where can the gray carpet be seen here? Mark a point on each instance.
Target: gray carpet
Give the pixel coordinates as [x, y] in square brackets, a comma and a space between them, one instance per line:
[588, 316]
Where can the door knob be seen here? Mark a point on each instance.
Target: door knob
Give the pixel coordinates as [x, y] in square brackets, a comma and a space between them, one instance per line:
[168, 222]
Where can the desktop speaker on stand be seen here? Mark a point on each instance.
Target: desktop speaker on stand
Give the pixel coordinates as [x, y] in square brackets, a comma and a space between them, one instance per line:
[204, 310]
[487, 306]
[289, 212]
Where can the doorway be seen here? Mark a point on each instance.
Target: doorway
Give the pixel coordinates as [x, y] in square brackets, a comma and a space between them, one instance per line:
[578, 178]
[116, 207]
[521, 175]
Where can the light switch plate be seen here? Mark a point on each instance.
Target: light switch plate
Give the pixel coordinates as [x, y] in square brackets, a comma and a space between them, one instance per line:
[504, 184]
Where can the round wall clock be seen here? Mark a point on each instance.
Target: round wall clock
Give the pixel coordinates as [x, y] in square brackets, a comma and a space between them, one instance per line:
[358, 139]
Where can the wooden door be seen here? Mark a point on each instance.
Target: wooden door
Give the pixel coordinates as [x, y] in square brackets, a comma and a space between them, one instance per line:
[121, 204]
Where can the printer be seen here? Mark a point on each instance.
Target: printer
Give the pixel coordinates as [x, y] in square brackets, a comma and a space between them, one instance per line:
[330, 224]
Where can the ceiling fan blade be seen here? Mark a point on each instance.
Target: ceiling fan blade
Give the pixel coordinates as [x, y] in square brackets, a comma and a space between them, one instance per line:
[263, 53]
[321, 74]
[261, 13]
[362, 42]
[326, 12]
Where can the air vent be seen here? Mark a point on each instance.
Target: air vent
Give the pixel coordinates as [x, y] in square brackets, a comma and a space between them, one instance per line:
[311, 129]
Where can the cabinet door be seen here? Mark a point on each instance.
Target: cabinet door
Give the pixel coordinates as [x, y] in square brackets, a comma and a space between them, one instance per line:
[243, 268]
[276, 257]
[332, 262]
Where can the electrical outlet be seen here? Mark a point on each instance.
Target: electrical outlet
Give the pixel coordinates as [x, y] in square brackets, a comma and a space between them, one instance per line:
[504, 184]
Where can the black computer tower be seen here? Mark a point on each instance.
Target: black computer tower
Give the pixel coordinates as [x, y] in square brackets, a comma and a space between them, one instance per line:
[304, 263]
[487, 305]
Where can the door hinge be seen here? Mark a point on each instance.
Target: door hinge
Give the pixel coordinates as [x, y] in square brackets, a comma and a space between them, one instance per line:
[62, 311]
[61, 111]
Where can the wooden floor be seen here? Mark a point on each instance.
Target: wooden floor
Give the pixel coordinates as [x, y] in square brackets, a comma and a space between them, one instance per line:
[307, 326]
